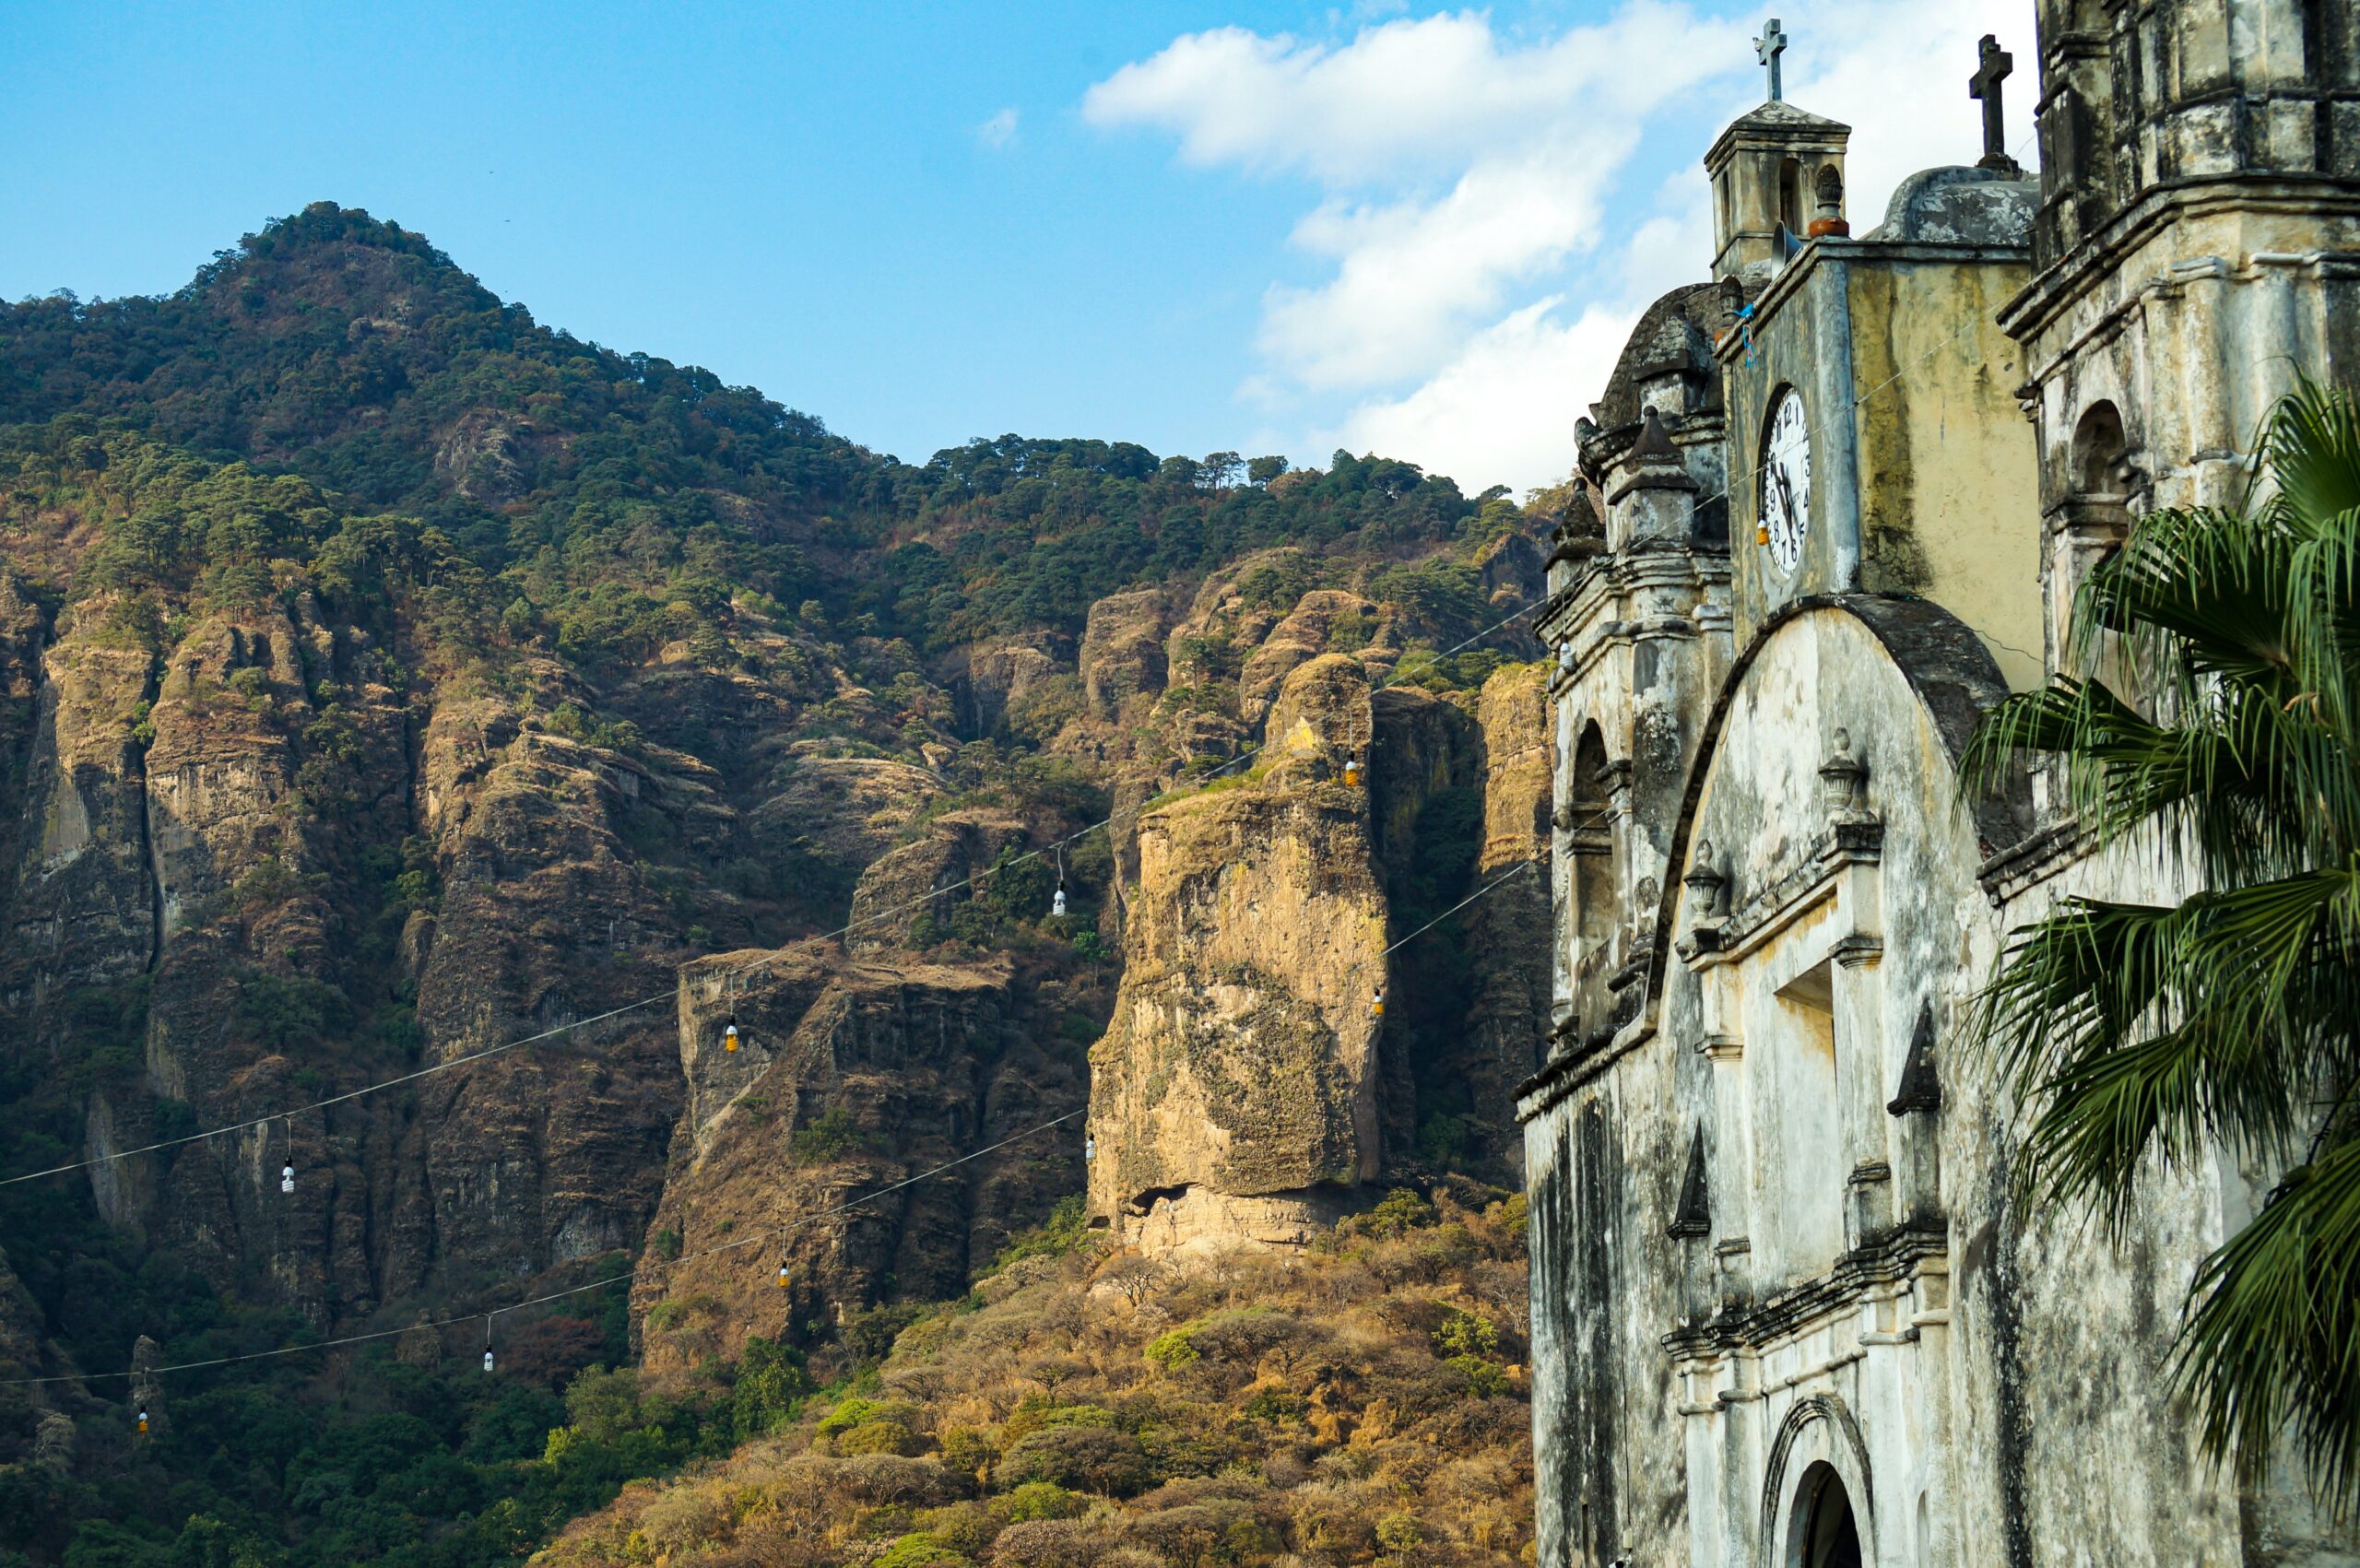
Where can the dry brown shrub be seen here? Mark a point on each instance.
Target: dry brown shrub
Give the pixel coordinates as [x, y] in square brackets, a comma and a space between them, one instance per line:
[1048, 1543]
[1218, 1529]
[683, 1518]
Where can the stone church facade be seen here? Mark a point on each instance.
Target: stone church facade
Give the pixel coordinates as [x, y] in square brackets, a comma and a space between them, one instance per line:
[1837, 497]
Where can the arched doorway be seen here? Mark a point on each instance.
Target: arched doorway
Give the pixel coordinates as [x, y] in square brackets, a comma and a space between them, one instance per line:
[1824, 1534]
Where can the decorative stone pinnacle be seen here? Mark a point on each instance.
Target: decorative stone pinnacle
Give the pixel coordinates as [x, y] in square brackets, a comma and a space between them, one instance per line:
[1704, 883]
[1840, 776]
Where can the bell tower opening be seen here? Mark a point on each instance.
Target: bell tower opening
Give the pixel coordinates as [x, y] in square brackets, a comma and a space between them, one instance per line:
[1777, 177]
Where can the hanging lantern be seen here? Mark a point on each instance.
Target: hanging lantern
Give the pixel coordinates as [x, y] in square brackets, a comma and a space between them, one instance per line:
[143, 1420]
[1376, 1005]
[1352, 772]
[287, 1178]
[730, 1036]
[783, 1274]
[1057, 902]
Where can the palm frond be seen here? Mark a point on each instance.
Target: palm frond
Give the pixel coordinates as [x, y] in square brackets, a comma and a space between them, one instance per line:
[2219, 711]
[2271, 1343]
[2144, 1032]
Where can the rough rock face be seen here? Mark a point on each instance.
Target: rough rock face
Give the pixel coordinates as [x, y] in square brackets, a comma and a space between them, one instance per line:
[847, 811]
[1244, 1088]
[1237, 1088]
[909, 893]
[855, 1071]
[1122, 650]
[1507, 1024]
[1306, 634]
[992, 682]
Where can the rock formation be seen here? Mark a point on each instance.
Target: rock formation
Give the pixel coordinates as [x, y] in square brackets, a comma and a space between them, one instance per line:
[1246, 1086]
[855, 1072]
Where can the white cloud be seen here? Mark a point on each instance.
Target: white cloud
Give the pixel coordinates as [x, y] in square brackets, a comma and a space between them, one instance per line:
[1478, 260]
[1503, 410]
[998, 131]
[1414, 277]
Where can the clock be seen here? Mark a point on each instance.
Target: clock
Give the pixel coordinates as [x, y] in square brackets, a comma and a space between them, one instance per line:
[1786, 482]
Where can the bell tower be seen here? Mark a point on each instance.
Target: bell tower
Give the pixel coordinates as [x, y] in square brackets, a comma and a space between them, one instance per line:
[1777, 178]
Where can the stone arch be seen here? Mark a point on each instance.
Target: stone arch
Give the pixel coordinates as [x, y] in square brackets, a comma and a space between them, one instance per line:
[1818, 1446]
[1954, 680]
[2101, 455]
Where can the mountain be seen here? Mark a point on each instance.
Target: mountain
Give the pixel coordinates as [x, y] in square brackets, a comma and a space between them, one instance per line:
[387, 680]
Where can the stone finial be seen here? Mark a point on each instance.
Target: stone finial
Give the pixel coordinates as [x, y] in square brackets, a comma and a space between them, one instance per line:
[1693, 1216]
[1655, 443]
[1702, 883]
[1841, 777]
[1828, 204]
[1921, 1087]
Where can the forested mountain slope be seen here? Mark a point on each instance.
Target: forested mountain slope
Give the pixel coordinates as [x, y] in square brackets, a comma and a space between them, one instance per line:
[386, 677]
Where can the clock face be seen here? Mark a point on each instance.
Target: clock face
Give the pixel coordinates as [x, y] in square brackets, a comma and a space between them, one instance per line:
[1786, 482]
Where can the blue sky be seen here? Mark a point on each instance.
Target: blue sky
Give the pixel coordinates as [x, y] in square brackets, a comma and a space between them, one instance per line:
[1269, 227]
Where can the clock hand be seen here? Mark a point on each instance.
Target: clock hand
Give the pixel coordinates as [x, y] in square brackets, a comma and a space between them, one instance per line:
[1786, 496]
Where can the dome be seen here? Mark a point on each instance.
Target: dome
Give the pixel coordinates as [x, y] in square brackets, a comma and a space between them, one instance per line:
[1960, 205]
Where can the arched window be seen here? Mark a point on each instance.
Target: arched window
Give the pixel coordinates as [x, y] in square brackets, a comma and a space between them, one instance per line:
[1590, 844]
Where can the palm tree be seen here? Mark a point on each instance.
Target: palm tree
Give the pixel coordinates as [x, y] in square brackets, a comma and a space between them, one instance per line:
[2140, 1038]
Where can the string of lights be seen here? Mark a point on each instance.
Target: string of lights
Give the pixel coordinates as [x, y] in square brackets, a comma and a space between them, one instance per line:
[766, 1234]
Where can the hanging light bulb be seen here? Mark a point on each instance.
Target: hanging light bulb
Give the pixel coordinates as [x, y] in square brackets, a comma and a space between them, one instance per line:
[143, 1419]
[783, 1275]
[1376, 1003]
[1058, 903]
[730, 1036]
[1089, 1147]
[287, 1177]
[487, 1358]
[1352, 772]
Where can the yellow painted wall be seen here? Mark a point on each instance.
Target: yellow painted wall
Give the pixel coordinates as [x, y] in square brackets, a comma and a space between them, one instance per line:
[1950, 478]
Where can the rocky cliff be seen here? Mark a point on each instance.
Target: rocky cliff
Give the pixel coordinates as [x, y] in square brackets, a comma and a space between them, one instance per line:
[387, 683]
[1269, 1059]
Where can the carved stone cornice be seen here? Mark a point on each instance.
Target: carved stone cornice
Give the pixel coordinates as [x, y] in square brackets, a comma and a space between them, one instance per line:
[1888, 1259]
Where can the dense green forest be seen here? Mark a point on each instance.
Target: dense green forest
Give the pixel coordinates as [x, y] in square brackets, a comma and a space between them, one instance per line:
[334, 412]
[619, 500]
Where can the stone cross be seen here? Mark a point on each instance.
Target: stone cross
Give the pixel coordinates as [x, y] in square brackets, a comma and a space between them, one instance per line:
[1768, 48]
[1992, 66]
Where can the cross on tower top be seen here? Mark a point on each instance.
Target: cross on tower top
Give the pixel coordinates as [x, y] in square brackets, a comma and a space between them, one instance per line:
[1992, 65]
[1768, 48]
